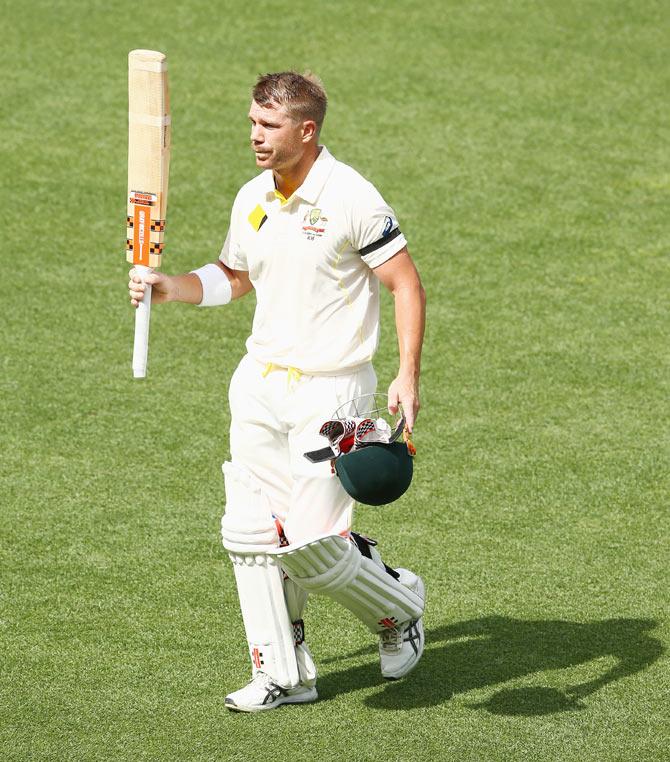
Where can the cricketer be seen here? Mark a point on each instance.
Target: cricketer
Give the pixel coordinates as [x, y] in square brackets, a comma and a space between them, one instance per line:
[314, 240]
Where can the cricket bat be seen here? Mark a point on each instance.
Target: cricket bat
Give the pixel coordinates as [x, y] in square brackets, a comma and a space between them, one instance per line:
[148, 168]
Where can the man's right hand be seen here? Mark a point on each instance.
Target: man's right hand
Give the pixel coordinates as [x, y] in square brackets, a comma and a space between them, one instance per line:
[162, 287]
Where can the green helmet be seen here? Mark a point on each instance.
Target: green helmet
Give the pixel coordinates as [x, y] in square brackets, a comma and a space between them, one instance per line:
[376, 474]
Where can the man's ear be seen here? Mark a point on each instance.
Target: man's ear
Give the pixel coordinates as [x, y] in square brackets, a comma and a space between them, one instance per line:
[308, 130]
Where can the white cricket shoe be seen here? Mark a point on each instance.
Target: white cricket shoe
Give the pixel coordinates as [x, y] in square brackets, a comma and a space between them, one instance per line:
[263, 693]
[401, 647]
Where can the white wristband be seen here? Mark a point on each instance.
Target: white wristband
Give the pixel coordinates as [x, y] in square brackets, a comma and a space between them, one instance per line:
[216, 288]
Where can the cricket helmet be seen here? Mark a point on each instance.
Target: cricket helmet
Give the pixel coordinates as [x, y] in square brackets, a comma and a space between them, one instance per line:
[376, 474]
[371, 460]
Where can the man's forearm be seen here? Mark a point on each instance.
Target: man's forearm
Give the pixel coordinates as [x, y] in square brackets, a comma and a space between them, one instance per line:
[410, 319]
[401, 278]
[188, 287]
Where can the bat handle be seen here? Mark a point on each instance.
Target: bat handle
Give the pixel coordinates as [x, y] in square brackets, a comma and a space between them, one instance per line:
[142, 316]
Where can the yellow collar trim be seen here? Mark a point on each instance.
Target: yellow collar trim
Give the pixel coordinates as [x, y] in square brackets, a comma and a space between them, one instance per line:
[282, 198]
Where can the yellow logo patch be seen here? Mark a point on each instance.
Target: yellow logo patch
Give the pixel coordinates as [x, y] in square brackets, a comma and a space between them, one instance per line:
[257, 217]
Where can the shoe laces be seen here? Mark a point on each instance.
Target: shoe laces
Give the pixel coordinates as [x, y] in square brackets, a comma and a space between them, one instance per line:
[261, 680]
[391, 639]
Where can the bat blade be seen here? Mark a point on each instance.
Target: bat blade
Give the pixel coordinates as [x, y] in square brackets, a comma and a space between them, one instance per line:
[148, 170]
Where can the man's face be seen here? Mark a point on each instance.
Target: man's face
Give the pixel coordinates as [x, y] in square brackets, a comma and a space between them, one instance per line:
[276, 139]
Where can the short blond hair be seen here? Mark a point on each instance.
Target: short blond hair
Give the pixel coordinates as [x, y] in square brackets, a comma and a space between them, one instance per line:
[303, 95]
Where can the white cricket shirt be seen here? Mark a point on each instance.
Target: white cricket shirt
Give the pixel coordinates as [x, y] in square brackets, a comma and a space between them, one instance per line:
[310, 260]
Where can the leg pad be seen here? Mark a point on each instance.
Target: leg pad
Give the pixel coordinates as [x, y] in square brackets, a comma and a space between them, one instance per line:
[248, 531]
[334, 566]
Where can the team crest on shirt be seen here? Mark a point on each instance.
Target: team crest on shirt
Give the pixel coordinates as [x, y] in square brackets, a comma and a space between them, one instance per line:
[314, 224]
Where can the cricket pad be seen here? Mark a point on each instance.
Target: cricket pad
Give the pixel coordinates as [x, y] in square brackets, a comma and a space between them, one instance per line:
[376, 474]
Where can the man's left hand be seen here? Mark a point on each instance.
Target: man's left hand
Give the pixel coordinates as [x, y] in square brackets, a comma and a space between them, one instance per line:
[405, 390]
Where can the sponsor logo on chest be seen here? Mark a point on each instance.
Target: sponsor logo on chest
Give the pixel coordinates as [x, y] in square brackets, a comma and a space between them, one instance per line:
[314, 224]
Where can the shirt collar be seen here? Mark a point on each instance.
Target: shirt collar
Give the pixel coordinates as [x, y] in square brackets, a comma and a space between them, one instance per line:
[313, 184]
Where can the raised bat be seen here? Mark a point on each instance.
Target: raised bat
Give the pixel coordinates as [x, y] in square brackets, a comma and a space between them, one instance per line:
[148, 169]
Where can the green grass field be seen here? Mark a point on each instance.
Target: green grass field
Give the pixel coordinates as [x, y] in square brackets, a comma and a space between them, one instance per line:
[524, 146]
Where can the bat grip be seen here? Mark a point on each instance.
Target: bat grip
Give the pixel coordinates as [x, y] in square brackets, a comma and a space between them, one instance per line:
[142, 316]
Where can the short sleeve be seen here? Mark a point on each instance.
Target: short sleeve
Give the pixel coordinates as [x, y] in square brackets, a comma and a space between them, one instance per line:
[375, 230]
[231, 253]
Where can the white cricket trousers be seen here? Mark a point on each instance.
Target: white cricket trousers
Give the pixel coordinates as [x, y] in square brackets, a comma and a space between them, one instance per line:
[276, 415]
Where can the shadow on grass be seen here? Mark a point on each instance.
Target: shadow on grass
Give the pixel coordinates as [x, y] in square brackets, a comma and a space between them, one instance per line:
[493, 650]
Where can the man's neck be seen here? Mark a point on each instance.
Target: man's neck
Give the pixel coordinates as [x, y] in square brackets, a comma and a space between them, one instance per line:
[289, 180]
